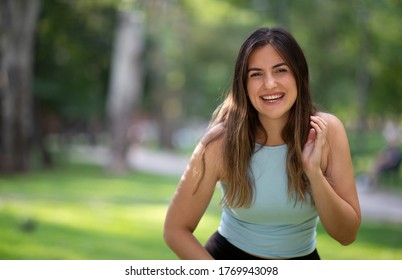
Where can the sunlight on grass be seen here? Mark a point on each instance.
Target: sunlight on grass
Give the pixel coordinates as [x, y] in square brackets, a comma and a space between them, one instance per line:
[375, 241]
[79, 231]
[87, 215]
[79, 212]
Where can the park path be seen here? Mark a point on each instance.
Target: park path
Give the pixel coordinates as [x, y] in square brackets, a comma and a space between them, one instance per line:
[375, 203]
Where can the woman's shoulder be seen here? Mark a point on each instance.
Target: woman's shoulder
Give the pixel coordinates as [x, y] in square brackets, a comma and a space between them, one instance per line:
[328, 117]
[213, 136]
[210, 144]
[208, 153]
[337, 143]
[332, 121]
[336, 130]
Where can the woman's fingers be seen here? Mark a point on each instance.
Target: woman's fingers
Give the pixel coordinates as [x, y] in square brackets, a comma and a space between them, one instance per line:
[316, 139]
[319, 121]
[320, 127]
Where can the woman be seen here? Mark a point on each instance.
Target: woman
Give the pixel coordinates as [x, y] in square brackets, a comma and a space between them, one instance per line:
[281, 164]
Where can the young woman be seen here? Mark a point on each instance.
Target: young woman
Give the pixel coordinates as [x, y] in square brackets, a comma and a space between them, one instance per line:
[281, 164]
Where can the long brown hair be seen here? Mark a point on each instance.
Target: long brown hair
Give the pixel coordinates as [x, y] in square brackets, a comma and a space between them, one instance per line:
[240, 123]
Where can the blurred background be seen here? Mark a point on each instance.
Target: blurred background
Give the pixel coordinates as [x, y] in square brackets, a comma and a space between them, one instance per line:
[103, 101]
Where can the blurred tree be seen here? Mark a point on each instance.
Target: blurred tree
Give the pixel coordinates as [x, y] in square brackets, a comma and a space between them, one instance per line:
[126, 85]
[190, 49]
[212, 37]
[362, 72]
[331, 47]
[164, 66]
[385, 61]
[18, 20]
[354, 61]
[73, 53]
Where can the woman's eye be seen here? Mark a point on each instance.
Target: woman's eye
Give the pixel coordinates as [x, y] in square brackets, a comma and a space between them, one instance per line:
[255, 74]
[281, 70]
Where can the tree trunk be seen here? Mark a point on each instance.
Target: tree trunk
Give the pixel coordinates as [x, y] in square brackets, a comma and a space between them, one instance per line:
[362, 75]
[18, 20]
[126, 84]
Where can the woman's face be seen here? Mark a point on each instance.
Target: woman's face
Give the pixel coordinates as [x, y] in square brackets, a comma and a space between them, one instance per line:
[271, 85]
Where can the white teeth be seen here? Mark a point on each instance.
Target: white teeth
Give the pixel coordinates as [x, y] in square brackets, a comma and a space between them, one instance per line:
[272, 97]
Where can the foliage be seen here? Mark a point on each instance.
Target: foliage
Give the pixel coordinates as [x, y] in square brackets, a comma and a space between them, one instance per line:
[79, 212]
[193, 44]
[385, 63]
[73, 58]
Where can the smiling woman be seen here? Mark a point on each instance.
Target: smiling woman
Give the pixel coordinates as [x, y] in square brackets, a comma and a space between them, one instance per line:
[281, 164]
[271, 86]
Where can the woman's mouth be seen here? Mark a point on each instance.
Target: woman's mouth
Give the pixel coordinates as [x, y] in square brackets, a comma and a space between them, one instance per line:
[272, 98]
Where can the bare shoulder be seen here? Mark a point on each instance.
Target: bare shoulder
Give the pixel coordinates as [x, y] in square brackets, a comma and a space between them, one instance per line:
[213, 133]
[210, 149]
[332, 120]
[337, 148]
[336, 129]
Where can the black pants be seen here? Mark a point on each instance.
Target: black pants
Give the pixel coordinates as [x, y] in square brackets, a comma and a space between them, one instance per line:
[221, 249]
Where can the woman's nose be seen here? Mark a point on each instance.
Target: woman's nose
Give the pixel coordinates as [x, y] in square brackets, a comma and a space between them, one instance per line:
[269, 82]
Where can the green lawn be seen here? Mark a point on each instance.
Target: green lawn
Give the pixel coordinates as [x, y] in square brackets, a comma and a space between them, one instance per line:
[80, 212]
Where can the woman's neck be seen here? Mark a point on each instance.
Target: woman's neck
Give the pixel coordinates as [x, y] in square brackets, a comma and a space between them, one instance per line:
[273, 129]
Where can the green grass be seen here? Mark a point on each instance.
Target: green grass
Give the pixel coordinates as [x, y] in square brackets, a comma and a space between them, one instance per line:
[80, 212]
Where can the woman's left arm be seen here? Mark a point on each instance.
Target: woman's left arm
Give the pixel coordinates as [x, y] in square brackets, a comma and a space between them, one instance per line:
[328, 165]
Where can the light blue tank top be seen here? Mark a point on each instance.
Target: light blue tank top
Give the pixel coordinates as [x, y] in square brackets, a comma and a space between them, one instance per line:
[274, 226]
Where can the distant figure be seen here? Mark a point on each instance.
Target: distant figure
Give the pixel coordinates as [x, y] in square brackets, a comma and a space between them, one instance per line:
[391, 133]
[389, 160]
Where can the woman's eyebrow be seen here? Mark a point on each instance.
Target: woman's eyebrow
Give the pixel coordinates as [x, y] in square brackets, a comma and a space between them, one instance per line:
[279, 65]
[254, 69]
[273, 67]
